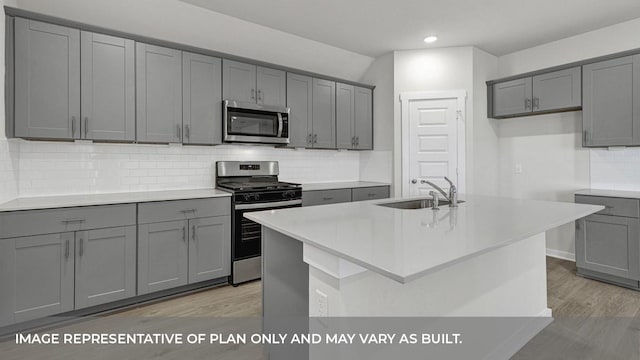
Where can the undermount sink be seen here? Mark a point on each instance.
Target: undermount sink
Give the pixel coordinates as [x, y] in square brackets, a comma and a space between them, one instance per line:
[416, 204]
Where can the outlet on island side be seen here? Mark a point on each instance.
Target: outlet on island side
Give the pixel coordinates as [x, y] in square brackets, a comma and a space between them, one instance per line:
[321, 303]
[517, 168]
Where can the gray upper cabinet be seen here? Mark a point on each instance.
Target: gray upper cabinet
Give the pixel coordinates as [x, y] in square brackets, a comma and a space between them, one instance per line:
[354, 121]
[553, 91]
[238, 81]
[300, 103]
[202, 99]
[37, 276]
[611, 112]
[512, 97]
[271, 86]
[47, 80]
[557, 90]
[209, 248]
[324, 114]
[163, 253]
[108, 88]
[345, 116]
[250, 83]
[363, 118]
[105, 265]
[158, 94]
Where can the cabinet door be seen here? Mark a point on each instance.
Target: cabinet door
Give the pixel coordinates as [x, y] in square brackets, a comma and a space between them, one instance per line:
[609, 244]
[272, 86]
[162, 256]
[209, 248]
[36, 277]
[238, 81]
[108, 88]
[324, 114]
[608, 114]
[158, 94]
[512, 97]
[369, 193]
[299, 101]
[47, 80]
[364, 118]
[105, 265]
[557, 90]
[202, 99]
[345, 116]
[324, 197]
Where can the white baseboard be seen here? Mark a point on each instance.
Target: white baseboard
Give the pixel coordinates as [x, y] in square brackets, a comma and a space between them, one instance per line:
[561, 254]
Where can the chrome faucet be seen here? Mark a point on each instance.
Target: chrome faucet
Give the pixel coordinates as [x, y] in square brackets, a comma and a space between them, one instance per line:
[452, 197]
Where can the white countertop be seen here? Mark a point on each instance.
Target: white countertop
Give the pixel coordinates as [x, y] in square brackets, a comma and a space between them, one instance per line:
[50, 202]
[407, 244]
[340, 185]
[610, 193]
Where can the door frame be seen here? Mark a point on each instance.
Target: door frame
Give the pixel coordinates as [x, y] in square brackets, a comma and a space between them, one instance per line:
[405, 99]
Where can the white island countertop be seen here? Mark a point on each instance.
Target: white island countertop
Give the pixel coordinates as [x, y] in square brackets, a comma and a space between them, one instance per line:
[61, 201]
[407, 244]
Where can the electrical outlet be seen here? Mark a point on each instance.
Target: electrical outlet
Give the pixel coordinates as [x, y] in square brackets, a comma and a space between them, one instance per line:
[321, 303]
[517, 168]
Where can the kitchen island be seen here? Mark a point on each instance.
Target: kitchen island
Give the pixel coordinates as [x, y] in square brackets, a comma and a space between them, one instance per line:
[484, 258]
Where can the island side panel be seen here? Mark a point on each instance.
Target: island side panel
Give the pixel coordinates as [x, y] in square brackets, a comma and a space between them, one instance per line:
[508, 281]
[285, 293]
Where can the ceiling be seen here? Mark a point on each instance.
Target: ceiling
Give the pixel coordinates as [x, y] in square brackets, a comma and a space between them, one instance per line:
[375, 27]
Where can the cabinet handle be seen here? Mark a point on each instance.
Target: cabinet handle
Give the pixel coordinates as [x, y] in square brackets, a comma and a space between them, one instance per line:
[193, 232]
[357, 140]
[309, 139]
[81, 246]
[187, 131]
[536, 103]
[371, 194]
[179, 128]
[586, 137]
[184, 233]
[73, 220]
[327, 198]
[315, 138]
[527, 104]
[73, 126]
[86, 127]
[66, 249]
[253, 93]
[188, 211]
[260, 96]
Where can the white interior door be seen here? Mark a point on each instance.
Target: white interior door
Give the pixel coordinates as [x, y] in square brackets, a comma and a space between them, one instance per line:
[433, 141]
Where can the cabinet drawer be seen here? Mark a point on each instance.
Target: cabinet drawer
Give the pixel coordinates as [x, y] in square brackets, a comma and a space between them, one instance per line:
[323, 197]
[613, 206]
[49, 221]
[369, 193]
[153, 212]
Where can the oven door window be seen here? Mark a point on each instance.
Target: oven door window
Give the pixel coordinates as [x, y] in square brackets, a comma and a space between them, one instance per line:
[247, 240]
[252, 123]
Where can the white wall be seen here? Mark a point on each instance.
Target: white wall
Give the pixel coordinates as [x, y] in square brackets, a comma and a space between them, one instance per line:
[43, 168]
[376, 165]
[549, 146]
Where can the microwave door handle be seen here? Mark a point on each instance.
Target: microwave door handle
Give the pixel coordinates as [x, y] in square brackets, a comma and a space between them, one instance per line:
[279, 125]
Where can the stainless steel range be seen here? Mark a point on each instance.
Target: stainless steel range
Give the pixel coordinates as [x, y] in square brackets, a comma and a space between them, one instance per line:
[255, 187]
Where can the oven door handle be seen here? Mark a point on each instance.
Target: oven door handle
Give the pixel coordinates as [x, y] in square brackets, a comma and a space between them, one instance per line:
[280, 124]
[268, 205]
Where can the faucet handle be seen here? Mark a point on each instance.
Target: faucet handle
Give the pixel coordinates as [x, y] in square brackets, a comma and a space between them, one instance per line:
[451, 184]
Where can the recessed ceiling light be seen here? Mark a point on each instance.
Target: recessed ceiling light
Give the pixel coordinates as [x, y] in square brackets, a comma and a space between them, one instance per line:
[431, 38]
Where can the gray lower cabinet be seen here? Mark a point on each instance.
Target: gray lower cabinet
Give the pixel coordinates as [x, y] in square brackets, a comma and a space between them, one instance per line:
[158, 94]
[163, 257]
[202, 99]
[611, 108]
[108, 88]
[369, 193]
[354, 120]
[324, 114]
[37, 276]
[47, 80]
[58, 260]
[608, 242]
[335, 196]
[182, 242]
[300, 103]
[105, 265]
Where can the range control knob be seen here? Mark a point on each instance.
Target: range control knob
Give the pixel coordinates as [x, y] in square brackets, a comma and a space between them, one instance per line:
[257, 196]
[246, 197]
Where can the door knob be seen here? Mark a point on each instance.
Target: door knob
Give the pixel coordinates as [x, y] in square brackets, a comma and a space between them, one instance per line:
[414, 181]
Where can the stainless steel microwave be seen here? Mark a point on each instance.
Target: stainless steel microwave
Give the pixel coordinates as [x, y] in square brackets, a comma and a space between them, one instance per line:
[255, 123]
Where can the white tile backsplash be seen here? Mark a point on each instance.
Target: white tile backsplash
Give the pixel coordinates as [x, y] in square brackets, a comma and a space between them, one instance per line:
[51, 168]
[617, 169]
